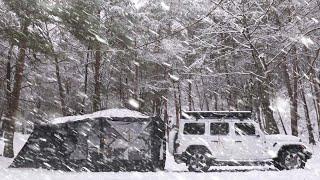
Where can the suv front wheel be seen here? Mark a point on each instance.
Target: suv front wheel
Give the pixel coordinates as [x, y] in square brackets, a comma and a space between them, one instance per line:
[198, 160]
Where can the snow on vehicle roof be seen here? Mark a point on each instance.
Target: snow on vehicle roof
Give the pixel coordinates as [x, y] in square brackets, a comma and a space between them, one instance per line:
[109, 113]
[217, 111]
[216, 114]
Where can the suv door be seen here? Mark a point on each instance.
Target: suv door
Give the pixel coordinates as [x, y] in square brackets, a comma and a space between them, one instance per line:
[249, 144]
[220, 140]
[191, 133]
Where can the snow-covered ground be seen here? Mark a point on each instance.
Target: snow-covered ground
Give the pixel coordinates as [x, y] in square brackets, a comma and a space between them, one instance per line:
[173, 171]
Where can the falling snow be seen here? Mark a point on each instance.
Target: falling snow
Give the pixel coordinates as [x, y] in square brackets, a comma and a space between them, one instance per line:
[105, 85]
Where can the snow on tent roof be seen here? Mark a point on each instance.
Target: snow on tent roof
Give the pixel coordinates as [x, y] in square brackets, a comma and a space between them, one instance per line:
[109, 113]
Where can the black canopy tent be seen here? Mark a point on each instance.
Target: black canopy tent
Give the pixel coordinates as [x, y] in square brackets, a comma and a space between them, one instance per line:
[96, 144]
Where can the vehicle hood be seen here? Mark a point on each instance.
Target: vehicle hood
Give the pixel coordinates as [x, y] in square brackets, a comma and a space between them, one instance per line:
[282, 138]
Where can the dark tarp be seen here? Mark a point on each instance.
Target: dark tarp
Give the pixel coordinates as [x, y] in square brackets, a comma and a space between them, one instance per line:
[100, 144]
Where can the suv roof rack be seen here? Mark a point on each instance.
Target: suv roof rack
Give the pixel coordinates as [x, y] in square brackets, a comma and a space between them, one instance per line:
[216, 114]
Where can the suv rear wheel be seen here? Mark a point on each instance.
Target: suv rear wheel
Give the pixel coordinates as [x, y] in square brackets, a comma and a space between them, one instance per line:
[198, 160]
[290, 159]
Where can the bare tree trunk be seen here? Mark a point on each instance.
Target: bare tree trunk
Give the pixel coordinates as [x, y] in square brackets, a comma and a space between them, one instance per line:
[64, 108]
[136, 77]
[97, 82]
[199, 96]
[282, 124]
[317, 98]
[206, 101]
[308, 121]
[177, 106]
[179, 98]
[205, 93]
[8, 79]
[270, 123]
[8, 85]
[8, 75]
[314, 99]
[294, 98]
[230, 99]
[9, 123]
[166, 116]
[166, 113]
[86, 66]
[264, 86]
[257, 105]
[136, 91]
[156, 105]
[314, 80]
[190, 95]
[216, 101]
[264, 90]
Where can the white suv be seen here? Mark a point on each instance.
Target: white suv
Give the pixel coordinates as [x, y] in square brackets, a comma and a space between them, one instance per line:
[213, 138]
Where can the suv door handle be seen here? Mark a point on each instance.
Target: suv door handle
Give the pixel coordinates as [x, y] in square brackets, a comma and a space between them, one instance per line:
[238, 141]
[215, 141]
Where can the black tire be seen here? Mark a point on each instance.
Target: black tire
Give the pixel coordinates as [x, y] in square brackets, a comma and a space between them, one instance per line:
[290, 159]
[278, 165]
[198, 160]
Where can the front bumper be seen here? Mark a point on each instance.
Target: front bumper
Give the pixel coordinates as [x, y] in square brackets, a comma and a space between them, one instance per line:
[307, 153]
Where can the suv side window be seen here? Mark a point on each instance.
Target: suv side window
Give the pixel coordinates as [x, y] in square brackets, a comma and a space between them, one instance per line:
[219, 128]
[244, 129]
[194, 128]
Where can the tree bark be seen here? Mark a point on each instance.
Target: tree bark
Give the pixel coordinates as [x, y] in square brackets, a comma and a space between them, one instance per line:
[257, 107]
[264, 86]
[8, 75]
[8, 86]
[314, 80]
[97, 82]
[9, 123]
[294, 98]
[216, 101]
[282, 124]
[136, 82]
[230, 98]
[64, 108]
[177, 106]
[308, 121]
[86, 66]
[271, 125]
[179, 100]
[264, 98]
[317, 100]
[166, 116]
[199, 96]
[190, 94]
[136, 76]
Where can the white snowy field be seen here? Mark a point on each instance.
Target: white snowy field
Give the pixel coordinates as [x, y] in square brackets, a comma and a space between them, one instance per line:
[173, 171]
